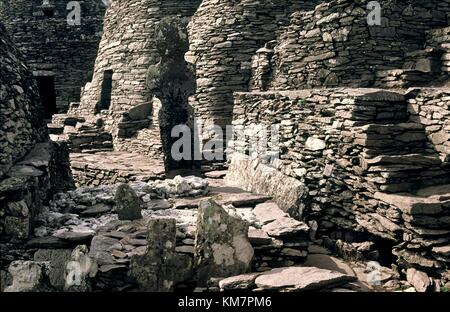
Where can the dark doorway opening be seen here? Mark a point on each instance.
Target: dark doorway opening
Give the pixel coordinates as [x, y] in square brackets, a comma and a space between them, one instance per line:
[47, 93]
[384, 247]
[105, 96]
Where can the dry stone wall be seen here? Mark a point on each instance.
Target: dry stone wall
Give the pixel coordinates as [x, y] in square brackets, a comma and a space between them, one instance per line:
[21, 115]
[333, 45]
[224, 35]
[350, 148]
[127, 49]
[118, 94]
[430, 107]
[52, 47]
[32, 168]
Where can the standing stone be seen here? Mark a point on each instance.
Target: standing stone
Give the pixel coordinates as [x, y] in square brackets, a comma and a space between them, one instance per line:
[222, 247]
[160, 267]
[28, 276]
[80, 270]
[128, 204]
[58, 259]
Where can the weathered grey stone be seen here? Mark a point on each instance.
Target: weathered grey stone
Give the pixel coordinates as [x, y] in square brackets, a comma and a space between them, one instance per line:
[286, 226]
[18, 209]
[17, 227]
[301, 279]
[328, 263]
[411, 204]
[140, 112]
[75, 237]
[253, 176]
[58, 259]
[101, 248]
[28, 276]
[268, 212]
[128, 204]
[160, 268]
[442, 253]
[159, 204]
[96, 210]
[315, 249]
[221, 243]
[315, 144]
[258, 237]
[239, 282]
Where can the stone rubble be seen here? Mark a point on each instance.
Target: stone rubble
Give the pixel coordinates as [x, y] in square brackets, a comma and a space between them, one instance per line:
[120, 255]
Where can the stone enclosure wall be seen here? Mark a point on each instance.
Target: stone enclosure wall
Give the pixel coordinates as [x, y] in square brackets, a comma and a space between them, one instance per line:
[21, 119]
[350, 148]
[52, 47]
[31, 169]
[333, 45]
[224, 35]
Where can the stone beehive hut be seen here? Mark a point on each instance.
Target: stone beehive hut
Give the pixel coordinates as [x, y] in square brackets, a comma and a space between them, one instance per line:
[126, 51]
[31, 168]
[60, 55]
[224, 35]
[117, 103]
[21, 117]
[367, 161]
[363, 146]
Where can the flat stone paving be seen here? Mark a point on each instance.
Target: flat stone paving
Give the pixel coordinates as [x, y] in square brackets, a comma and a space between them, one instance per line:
[109, 167]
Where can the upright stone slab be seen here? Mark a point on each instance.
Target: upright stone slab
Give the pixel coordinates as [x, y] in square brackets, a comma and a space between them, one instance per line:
[128, 204]
[58, 259]
[156, 270]
[222, 248]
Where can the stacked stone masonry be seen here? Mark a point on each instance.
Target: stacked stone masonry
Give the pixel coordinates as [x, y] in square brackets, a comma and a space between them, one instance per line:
[349, 148]
[52, 47]
[32, 169]
[357, 161]
[224, 35]
[333, 45]
[118, 110]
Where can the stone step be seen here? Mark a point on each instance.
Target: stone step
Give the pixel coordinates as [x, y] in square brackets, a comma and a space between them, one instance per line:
[420, 75]
[393, 139]
[411, 161]
[433, 203]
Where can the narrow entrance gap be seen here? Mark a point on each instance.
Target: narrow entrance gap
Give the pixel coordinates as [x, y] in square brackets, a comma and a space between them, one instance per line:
[384, 247]
[105, 96]
[46, 85]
